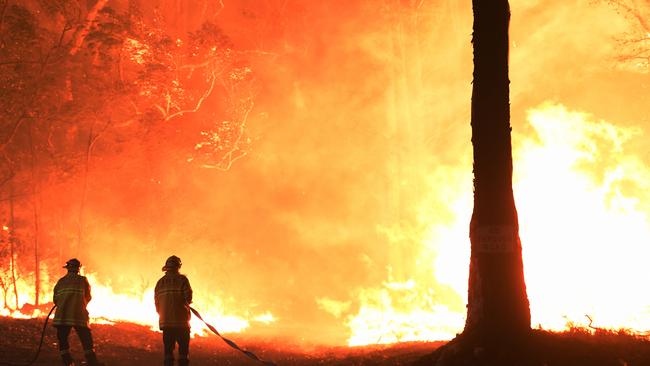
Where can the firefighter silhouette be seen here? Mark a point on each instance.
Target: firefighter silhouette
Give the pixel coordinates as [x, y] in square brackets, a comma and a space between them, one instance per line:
[71, 296]
[173, 296]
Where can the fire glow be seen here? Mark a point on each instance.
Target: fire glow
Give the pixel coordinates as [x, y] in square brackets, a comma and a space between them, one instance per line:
[351, 213]
[585, 240]
[107, 305]
[554, 167]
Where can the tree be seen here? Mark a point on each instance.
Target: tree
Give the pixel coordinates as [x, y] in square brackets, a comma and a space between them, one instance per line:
[82, 82]
[498, 313]
[497, 300]
[635, 47]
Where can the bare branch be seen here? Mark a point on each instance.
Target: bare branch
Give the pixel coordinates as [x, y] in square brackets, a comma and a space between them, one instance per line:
[45, 62]
[8, 178]
[633, 12]
[17, 124]
[199, 102]
[81, 35]
[641, 54]
[161, 109]
[94, 139]
[591, 321]
[229, 157]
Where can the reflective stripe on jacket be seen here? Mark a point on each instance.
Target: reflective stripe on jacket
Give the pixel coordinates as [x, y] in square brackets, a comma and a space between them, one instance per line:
[71, 295]
[173, 295]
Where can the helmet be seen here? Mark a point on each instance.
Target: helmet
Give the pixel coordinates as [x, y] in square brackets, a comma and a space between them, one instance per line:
[72, 264]
[172, 262]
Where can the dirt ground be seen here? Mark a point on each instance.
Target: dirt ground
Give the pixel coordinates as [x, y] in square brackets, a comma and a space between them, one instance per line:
[126, 344]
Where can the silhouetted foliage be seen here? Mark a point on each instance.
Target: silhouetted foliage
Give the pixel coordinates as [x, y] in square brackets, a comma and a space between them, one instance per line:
[86, 82]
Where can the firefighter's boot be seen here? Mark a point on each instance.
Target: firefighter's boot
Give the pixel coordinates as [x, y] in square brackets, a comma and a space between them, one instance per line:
[67, 359]
[91, 358]
[183, 361]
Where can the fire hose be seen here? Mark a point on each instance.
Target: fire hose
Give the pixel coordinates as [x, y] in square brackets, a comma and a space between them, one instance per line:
[40, 344]
[232, 344]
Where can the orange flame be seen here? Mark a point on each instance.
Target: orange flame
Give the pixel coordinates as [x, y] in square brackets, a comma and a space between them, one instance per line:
[584, 224]
[584, 237]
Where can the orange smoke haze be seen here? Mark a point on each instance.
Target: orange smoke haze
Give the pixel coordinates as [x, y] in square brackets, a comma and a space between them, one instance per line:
[348, 221]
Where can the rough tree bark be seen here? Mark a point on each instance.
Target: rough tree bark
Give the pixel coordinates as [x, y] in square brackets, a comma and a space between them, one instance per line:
[498, 314]
[497, 299]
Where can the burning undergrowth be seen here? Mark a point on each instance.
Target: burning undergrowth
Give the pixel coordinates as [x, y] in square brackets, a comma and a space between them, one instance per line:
[346, 209]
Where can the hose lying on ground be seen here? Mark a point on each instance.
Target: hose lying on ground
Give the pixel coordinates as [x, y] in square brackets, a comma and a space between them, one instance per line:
[40, 344]
[231, 343]
[213, 329]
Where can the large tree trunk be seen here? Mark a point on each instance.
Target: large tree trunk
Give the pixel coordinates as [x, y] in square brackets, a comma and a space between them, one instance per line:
[498, 315]
[497, 300]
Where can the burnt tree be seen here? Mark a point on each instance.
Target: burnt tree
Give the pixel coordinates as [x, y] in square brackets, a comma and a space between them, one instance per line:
[497, 300]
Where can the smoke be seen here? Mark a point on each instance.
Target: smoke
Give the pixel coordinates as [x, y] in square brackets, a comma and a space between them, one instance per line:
[354, 198]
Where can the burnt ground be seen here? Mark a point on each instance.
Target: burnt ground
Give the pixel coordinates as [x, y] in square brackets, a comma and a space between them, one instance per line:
[127, 344]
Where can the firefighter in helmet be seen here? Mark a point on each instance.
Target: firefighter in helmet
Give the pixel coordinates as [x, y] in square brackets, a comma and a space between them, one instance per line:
[71, 296]
[173, 296]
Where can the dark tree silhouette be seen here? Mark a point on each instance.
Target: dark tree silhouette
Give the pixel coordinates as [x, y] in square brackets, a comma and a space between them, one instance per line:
[84, 83]
[497, 300]
[498, 314]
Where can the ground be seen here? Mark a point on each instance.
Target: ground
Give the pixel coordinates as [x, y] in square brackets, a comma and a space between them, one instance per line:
[125, 344]
[575, 347]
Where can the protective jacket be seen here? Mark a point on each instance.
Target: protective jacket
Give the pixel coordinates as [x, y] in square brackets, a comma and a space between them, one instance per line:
[173, 296]
[71, 296]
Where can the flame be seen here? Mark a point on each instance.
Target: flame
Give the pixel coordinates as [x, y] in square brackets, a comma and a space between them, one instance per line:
[15, 314]
[109, 306]
[584, 223]
[137, 306]
[582, 195]
[400, 314]
[583, 226]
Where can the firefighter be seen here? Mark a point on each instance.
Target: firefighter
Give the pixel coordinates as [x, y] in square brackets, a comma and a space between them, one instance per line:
[71, 296]
[173, 296]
